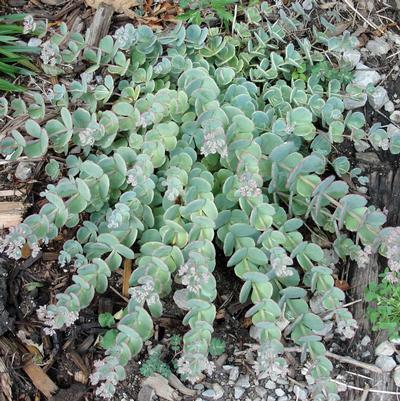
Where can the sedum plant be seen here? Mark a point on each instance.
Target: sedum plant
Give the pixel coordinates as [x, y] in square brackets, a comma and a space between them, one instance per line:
[186, 141]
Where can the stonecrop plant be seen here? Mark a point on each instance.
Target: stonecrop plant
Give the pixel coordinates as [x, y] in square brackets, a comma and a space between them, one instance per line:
[186, 141]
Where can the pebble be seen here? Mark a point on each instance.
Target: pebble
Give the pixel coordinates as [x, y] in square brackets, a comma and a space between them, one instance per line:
[300, 393]
[396, 376]
[261, 391]
[393, 37]
[227, 368]
[234, 374]
[385, 348]
[351, 57]
[279, 392]
[24, 170]
[389, 106]
[270, 398]
[378, 47]
[270, 385]
[365, 341]
[199, 387]
[395, 116]
[284, 398]
[214, 393]
[364, 76]
[244, 381]
[378, 98]
[386, 363]
[238, 392]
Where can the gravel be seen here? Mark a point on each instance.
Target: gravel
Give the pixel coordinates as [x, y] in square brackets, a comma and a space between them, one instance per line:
[378, 47]
[385, 348]
[378, 98]
[386, 363]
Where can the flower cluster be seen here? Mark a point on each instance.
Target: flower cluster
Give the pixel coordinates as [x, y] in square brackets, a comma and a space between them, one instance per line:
[29, 24]
[125, 36]
[214, 141]
[87, 137]
[49, 53]
[347, 327]
[107, 388]
[280, 262]
[49, 319]
[248, 186]
[186, 367]
[193, 276]
[269, 364]
[363, 256]
[145, 292]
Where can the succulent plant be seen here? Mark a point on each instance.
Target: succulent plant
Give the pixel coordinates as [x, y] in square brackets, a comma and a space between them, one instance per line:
[193, 141]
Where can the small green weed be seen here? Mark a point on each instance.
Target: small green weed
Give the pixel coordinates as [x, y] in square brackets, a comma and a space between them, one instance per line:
[384, 309]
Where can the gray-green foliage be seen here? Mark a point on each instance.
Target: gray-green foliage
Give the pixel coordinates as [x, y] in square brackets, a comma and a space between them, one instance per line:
[189, 140]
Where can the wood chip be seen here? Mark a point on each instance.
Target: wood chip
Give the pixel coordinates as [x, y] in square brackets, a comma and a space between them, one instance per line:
[100, 25]
[176, 383]
[40, 379]
[161, 387]
[126, 276]
[5, 381]
[11, 213]
[146, 393]
[119, 6]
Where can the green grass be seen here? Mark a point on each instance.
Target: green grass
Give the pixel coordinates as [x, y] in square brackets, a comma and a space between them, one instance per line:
[15, 59]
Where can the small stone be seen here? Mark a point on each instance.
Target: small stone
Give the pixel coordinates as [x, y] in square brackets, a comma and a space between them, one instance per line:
[199, 399]
[227, 368]
[221, 360]
[395, 116]
[366, 354]
[255, 399]
[219, 391]
[199, 387]
[24, 170]
[396, 376]
[386, 363]
[385, 348]
[300, 393]
[214, 393]
[244, 381]
[378, 98]
[283, 398]
[261, 391]
[270, 385]
[270, 398]
[364, 76]
[279, 392]
[234, 374]
[365, 341]
[378, 47]
[351, 57]
[351, 104]
[238, 392]
[393, 37]
[389, 106]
